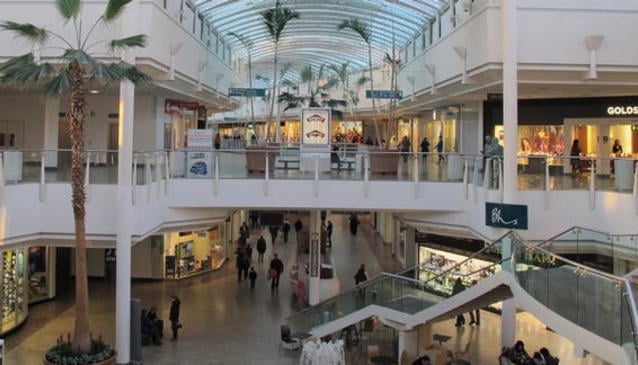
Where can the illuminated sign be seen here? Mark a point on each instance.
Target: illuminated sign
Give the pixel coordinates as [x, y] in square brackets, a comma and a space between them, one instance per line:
[622, 110]
[315, 126]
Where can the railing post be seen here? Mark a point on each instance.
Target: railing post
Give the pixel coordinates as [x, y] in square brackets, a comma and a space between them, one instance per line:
[366, 165]
[415, 174]
[267, 175]
[316, 179]
[216, 177]
[487, 177]
[167, 174]
[134, 179]
[42, 191]
[475, 179]
[147, 176]
[465, 178]
[158, 172]
[87, 175]
[592, 192]
[501, 178]
[546, 195]
[2, 182]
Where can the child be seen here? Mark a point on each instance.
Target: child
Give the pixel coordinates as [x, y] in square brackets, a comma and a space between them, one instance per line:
[252, 276]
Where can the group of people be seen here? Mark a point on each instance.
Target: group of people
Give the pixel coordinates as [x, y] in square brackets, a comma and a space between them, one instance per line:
[475, 315]
[517, 355]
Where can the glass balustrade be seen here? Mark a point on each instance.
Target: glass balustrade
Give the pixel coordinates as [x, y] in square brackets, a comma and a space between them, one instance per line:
[589, 298]
[345, 162]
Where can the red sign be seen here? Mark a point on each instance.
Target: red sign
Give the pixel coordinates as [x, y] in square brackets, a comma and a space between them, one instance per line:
[172, 106]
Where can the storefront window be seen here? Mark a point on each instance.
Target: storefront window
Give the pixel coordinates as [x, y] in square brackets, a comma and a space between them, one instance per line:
[12, 292]
[193, 252]
[38, 281]
[347, 131]
[546, 140]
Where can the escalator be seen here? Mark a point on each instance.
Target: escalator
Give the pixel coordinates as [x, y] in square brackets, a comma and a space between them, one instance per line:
[591, 308]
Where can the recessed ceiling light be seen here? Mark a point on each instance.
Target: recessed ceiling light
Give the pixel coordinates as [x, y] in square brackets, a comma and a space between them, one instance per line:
[94, 91]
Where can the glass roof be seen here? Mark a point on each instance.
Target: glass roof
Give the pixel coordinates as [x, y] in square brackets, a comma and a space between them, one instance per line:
[313, 38]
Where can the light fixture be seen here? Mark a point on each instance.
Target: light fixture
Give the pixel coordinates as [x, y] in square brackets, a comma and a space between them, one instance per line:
[94, 91]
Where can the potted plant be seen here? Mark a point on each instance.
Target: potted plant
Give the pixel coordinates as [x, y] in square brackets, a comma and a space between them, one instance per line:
[70, 73]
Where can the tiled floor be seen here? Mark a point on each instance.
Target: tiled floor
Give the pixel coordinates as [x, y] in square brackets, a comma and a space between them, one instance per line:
[228, 323]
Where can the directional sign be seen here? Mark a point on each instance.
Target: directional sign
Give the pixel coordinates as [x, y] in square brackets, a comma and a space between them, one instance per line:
[238, 91]
[385, 94]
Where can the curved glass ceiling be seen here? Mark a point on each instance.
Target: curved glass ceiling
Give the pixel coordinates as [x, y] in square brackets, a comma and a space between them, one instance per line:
[313, 38]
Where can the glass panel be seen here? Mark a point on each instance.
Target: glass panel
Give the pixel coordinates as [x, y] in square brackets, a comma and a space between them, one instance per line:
[568, 290]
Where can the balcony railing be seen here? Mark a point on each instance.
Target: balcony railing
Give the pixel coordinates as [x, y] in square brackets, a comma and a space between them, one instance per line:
[344, 163]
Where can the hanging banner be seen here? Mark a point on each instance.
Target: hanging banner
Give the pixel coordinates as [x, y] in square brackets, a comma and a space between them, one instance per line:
[315, 126]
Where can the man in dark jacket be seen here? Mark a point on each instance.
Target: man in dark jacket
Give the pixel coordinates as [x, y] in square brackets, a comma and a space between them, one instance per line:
[457, 288]
[261, 248]
[174, 316]
[277, 267]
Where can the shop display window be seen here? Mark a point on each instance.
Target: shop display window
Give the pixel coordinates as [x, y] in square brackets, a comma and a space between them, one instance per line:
[12, 292]
[193, 252]
[347, 132]
[38, 281]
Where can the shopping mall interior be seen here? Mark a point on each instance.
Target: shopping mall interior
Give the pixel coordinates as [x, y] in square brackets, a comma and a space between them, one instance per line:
[473, 158]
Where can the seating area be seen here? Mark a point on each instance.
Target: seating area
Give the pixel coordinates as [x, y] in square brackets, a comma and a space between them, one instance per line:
[518, 355]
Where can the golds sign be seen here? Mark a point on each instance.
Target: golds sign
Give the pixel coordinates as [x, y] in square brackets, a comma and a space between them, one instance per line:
[315, 126]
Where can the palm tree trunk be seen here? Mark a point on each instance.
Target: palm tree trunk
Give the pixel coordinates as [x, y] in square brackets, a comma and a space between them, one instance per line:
[77, 116]
[374, 105]
[252, 97]
[273, 94]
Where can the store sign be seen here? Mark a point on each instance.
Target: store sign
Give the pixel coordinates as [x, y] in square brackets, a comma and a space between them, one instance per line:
[506, 215]
[314, 255]
[315, 126]
[238, 91]
[199, 164]
[174, 106]
[385, 94]
[200, 139]
[109, 255]
[622, 110]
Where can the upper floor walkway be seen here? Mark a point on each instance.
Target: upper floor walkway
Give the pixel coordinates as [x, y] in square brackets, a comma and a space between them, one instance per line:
[192, 188]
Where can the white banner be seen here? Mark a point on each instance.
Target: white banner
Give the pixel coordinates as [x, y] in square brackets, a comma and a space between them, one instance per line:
[315, 126]
[201, 139]
[199, 164]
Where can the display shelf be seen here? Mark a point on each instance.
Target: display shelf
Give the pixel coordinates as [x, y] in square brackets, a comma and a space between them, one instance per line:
[12, 289]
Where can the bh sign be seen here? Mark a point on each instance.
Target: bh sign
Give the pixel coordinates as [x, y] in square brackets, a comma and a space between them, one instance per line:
[506, 215]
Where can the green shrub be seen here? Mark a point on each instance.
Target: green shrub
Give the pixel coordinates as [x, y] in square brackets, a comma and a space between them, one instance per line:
[64, 354]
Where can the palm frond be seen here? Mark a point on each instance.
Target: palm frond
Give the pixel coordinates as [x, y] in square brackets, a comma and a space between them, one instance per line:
[114, 9]
[78, 55]
[129, 42]
[306, 74]
[357, 26]
[26, 30]
[362, 81]
[62, 83]
[102, 72]
[68, 8]
[23, 70]
[276, 19]
[127, 71]
[243, 40]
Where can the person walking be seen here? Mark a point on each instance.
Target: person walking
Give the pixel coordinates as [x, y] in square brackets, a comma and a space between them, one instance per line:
[274, 230]
[252, 276]
[276, 268]
[174, 316]
[249, 252]
[475, 315]
[574, 153]
[286, 229]
[405, 148]
[261, 248]
[457, 288]
[329, 228]
[354, 223]
[439, 149]
[298, 225]
[425, 149]
[361, 275]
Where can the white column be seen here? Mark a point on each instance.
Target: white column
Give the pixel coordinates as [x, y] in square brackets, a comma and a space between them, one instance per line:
[315, 258]
[124, 205]
[510, 96]
[51, 129]
[508, 312]
[408, 342]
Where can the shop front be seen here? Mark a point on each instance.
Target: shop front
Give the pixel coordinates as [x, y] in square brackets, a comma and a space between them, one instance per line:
[548, 127]
[13, 291]
[40, 259]
[192, 252]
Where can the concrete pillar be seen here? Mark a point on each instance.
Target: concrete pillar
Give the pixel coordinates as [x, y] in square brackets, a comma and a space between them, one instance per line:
[508, 312]
[51, 130]
[125, 216]
[315, 258]
[408, 343]
[510, 97]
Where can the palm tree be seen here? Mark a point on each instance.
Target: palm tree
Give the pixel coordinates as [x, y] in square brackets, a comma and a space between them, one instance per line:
[393, 63]
[317, 92]
[248, 45]
[276, 20]
[68, 74]
[364, 31]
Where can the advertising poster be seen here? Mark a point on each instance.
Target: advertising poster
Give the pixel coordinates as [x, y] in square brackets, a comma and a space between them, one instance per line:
[200, 139]
[199, 164]
[315, 126]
